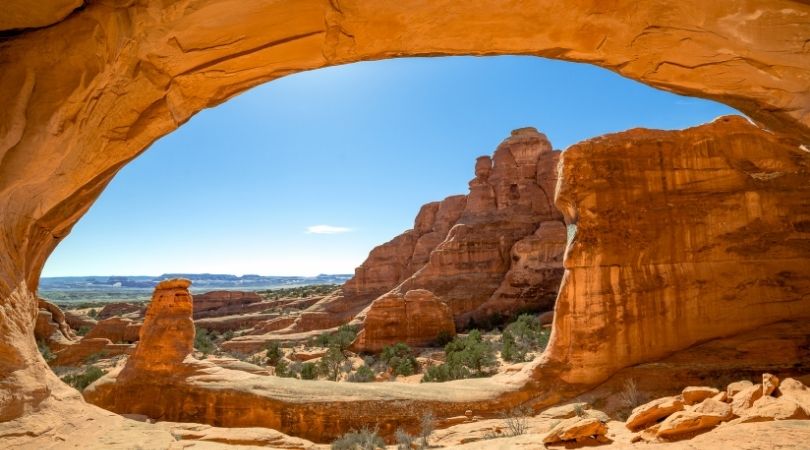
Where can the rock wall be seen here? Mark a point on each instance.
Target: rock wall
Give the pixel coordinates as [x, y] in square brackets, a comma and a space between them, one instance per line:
[510, 197]
[51, 327]
[681, 237]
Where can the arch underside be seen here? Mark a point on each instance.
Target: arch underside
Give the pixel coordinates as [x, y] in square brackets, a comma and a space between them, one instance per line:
[89, 93]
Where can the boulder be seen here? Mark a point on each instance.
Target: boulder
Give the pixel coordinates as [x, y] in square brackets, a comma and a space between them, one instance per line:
[769, 384]
[696, 394]
[651, 412]
[88, 349]
[736, 387]
[577, 429]
[705, 415]
[416, 319]
[793, 389]
[769, 408]
[745, 398]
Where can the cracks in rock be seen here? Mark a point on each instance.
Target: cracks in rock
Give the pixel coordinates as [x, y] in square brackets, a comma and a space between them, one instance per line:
[333, 20]
[249, 51]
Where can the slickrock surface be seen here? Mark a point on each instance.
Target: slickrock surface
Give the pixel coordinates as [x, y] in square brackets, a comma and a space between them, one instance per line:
[78, 353]
[121, 309]
[416, 318]
[77, 110]
[681, 236]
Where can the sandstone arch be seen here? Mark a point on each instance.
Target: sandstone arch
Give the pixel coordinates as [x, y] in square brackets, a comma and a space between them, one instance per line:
[85, 95]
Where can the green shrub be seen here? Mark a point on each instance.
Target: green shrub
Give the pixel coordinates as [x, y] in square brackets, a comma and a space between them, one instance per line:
[399, 358]
[443, 338]
[523, 336]
[228, 335]
[363, 374]
[82, 380]
[93, 313]
[364, 439]
[342, 338]
[83, 330]
[203, 341]
[45, 351]
[466, 357]
[309, 371]
[330, 363]
[274, 353]
[282, 368]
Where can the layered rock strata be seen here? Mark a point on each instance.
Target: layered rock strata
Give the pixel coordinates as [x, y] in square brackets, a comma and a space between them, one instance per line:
[51, 327]
[681, 236]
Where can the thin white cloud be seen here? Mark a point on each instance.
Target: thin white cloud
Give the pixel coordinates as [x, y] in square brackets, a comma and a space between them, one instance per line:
[327, 229]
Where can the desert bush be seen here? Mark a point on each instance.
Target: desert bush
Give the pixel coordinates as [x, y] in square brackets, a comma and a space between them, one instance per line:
[426, 427]
[228, 335]
[399, 358]
[443, 338]
[466, 357]
[404, 440]
[364, 439]
[363, 374]
[93, 313]
[517, 421]
[273, 353]
[283, 369]
[331, 362]
[342, 338]
[523, 336]
[630, 396]
[83, 330]
[82, 380]
[203, 341]
[45, 351]
[309, 371]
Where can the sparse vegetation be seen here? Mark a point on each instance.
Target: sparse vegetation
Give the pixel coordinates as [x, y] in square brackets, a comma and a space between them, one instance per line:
[274, 353]
[83, 330]
[330, 363]
[468, 356]
[203, 341]
[82, 380]
[443, 338]
[299, 292]
[342, 338]
[517, 421]
[45, 351]
[400, 359]
[283, 369]
[426, 423]
[363, 374]
[521, 337]
[93, 313]
[629, 397]
[364, 439]
[404, 440]
[309, 371]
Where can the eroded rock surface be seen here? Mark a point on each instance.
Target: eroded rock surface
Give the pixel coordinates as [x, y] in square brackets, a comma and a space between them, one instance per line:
[416, 318]
[51, 327]
[680, 236]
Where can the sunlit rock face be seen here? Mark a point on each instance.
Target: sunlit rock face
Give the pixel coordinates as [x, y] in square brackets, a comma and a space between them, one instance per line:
[511, 195]
[51, 327]
[76, 110]
[416, 319]
[681, 236]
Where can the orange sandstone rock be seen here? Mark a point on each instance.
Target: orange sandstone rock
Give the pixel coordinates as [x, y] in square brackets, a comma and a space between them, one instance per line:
[115, 329]
[51, 326]
[416, 318]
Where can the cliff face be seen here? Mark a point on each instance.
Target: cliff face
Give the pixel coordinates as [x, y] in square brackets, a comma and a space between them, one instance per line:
[510, 197]
[681, 236]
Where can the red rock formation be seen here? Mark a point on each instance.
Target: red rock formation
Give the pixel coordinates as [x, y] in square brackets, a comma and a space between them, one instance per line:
[226, 303]
[115, 329]
[132, 310]
[510, 197]
[77, 321]
[386, 266]
[416, 319]
[51, 326]
[79, 353]
[682, 236]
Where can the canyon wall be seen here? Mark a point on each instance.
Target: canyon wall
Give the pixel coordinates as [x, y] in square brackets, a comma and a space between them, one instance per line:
[681, 237]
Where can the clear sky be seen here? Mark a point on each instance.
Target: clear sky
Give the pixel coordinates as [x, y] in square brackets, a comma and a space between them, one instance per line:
[304, 175]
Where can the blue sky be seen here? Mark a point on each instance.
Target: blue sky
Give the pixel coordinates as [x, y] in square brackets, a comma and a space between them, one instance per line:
[351, 150]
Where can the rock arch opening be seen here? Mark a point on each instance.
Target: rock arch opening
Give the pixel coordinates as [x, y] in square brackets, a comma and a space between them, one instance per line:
[148, 68]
